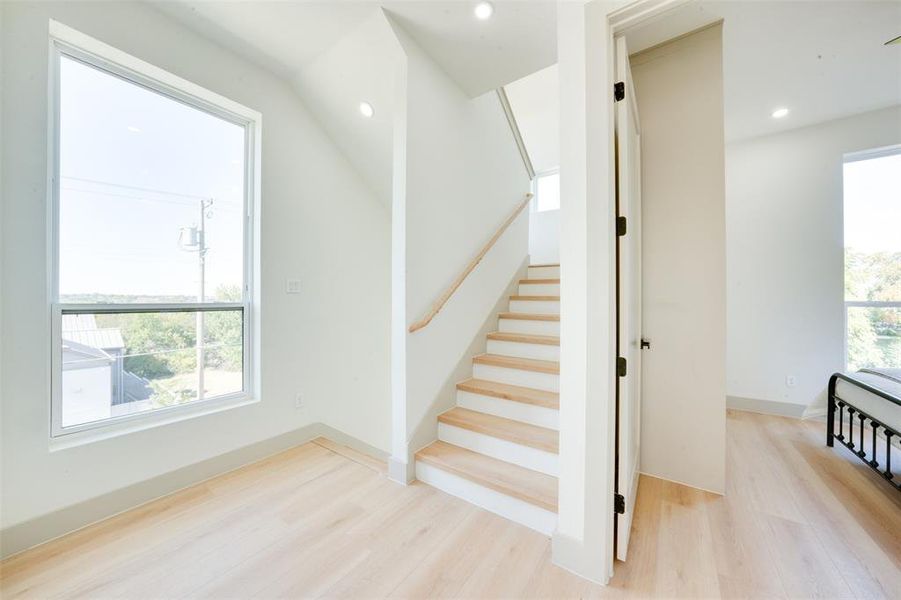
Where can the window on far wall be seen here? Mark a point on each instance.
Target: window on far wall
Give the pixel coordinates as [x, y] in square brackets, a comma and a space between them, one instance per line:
[152, 207]
[546, 187]
[872, 214]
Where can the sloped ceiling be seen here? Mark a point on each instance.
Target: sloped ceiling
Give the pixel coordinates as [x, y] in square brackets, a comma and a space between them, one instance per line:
[282, 36]
[287, 35]
[336, 54]
[520, 38]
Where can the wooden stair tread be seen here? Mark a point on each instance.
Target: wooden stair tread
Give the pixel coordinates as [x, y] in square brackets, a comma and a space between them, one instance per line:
[528, 316]
[514, 362]
[509, 479]
[547, 265]
[525, 434]
[536, 281]
[514, 393]
[524, 338]
[537, 298]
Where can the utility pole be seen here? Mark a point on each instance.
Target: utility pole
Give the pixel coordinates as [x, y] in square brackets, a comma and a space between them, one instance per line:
[197, 243]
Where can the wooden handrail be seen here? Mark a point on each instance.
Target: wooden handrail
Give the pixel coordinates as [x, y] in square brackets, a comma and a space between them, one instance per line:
[442, 300]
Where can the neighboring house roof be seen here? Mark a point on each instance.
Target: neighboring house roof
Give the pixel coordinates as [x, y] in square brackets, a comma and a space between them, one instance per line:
[81, 356]
[82, 329]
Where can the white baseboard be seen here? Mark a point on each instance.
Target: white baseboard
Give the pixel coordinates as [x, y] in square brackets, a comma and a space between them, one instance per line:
[571, 555]
[766, 407]
[22, 536]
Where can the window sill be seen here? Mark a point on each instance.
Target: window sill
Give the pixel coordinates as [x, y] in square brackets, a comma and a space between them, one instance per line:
[134, 423]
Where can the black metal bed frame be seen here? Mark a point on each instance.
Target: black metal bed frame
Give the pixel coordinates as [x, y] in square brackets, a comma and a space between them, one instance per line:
[834, 402]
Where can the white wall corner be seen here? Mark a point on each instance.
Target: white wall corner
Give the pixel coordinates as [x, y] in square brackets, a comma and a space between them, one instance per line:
[401, 470]
[584, 541]
[570, 554]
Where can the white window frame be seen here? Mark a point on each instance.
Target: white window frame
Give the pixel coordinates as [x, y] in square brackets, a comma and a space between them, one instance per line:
[65, 41]
[545, 173]
[848, 304]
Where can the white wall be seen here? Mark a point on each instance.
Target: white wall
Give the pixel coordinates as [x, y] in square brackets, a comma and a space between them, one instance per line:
[535, 100]
[319, 224]
[544, 237]
[679, 88]
[583, 542]
[785, 256]
[462, 176]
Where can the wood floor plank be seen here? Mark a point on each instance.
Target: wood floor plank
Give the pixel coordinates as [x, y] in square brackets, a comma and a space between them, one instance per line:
[313, 522]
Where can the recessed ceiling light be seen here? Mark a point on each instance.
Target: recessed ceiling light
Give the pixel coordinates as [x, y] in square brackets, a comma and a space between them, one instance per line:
[134, 129]
[484, 10]
[366, 110]
[780, 112]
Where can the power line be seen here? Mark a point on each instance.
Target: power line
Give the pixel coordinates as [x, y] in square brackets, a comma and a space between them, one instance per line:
[137, 188]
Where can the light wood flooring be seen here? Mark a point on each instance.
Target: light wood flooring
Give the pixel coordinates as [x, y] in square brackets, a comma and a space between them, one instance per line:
[799, 520]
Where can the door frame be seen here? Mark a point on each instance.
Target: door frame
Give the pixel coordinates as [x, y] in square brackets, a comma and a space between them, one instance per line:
[619, 22]
[633, 228]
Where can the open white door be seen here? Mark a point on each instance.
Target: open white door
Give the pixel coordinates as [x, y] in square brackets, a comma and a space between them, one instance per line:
[628, 305]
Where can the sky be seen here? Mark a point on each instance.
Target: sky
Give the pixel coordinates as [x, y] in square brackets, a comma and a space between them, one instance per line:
[134, 165]
[872, 214]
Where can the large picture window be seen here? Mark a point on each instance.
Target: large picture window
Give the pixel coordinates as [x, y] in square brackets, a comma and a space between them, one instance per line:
[872, 215]
[153, 198]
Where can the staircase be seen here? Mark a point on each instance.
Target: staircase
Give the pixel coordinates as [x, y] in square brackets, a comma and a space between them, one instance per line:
[498, 447]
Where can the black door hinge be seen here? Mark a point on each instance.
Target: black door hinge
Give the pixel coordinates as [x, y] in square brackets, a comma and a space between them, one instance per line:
[621, 366]
[620, 225]
[619, 504]
[619, 91]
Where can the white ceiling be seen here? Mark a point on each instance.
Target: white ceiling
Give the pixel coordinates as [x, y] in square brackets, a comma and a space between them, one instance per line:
[821, 60]
[519, 39]
[285, 36]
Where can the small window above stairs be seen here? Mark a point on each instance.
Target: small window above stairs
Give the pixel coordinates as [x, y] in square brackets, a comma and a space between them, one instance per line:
[498, 448]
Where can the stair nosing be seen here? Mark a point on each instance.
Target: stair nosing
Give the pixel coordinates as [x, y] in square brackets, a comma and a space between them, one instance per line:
[475, 386]
[500, 433]
[536, 298]
[544, 340]
[550, 367]
[539, 281]
[547, 265]
[484, 481]
[528, 316]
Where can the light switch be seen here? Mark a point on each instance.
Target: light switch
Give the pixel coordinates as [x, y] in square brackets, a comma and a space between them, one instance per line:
[292, 286]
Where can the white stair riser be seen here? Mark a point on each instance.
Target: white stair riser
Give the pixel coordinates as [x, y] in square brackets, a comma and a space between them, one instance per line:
[524, 350]
[544, 273]
[531, 379]
[524, 326]
[517, 454]
[510, 409]
[519, 511]
[539, 289]
[539, 381]
[540, 307]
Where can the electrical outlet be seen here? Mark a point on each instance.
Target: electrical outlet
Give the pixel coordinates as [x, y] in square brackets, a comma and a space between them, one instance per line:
[790, 380]
[292, 286]
[298, 401]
